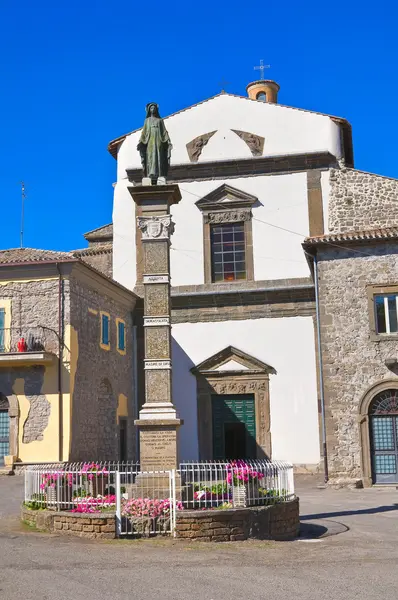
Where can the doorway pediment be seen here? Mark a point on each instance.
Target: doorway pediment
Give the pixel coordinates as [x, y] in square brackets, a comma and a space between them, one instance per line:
[232, 360]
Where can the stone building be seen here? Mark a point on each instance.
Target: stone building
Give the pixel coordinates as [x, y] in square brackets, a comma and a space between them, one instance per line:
[256, 178]
[358, 291]
[53, 305]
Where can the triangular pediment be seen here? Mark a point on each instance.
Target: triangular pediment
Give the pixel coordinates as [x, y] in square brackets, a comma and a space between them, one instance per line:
[232, 359]
[226, 196]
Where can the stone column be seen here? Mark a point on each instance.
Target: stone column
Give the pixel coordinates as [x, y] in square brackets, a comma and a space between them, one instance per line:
[158, 421]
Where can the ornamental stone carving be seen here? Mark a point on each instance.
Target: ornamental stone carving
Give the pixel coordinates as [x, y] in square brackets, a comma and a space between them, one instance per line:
[233, 387]
[228, 216]
[155, 228]
[195, 147]
[254, 142]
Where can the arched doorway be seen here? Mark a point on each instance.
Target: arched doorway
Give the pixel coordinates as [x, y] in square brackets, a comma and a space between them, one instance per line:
[4, 429]
[383, 424]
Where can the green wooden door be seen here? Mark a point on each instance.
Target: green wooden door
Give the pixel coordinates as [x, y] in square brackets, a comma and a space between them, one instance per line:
[234, 426]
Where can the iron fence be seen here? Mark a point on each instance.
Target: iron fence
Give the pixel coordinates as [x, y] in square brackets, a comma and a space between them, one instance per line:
[236, 483]
[145, 503]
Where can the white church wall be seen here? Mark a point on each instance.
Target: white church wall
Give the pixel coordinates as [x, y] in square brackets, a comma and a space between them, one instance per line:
[285, 130]
[282, 201]
[124, 252]
[285, 344]
[282, 198]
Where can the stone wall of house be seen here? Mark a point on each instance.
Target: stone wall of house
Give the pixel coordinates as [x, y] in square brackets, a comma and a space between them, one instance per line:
[102, 261]
[360, 200]
[35, 303]
[34, 312]
[98, 526]
[103, 379]
[277, 522]
[353, 362]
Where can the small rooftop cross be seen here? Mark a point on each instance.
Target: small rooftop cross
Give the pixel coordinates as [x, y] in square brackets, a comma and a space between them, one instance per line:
[261, 68]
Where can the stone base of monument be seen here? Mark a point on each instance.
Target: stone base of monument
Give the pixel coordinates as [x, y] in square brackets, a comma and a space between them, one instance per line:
[158, 444]
[155, 486]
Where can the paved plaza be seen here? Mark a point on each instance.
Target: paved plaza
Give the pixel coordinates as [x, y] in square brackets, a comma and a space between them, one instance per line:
[361, 561]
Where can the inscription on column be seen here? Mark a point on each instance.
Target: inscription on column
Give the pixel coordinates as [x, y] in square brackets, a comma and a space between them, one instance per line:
[158, 445]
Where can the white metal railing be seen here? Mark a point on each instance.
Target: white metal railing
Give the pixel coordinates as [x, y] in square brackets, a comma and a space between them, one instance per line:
[236, 483]
[146, 503]
[79, 487]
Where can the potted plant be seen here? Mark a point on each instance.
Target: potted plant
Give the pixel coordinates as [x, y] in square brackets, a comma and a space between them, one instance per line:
[244, 481]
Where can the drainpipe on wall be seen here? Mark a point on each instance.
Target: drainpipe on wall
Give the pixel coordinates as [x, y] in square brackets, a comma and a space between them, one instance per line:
[60, 363]
[135, 388]
[320, 362]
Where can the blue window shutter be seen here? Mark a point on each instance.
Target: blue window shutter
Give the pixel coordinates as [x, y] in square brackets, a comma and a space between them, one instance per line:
[105, 330]
[121, 336]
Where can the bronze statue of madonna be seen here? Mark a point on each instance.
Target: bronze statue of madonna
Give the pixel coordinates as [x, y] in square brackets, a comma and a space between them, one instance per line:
[154, 146]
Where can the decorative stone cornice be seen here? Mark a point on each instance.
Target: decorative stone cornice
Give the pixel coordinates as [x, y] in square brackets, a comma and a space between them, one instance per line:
[228, 216]
[155, 228]
[243, 167]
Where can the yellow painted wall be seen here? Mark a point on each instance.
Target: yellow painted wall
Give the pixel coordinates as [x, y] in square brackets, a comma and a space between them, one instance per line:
[122, 408]
[47, 449]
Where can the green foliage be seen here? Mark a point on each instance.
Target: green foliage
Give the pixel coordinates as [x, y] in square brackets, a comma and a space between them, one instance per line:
[34, 505]
[272, 496]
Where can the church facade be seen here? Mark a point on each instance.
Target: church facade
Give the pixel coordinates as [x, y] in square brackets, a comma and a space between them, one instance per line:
[257, 179]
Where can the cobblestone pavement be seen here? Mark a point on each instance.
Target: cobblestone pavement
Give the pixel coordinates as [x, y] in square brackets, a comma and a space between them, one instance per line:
[360, 562]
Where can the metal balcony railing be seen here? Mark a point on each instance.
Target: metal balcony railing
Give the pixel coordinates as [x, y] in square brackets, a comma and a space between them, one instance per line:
[28, 339]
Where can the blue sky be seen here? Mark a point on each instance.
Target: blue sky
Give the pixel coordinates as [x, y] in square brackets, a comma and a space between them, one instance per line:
[75, 75]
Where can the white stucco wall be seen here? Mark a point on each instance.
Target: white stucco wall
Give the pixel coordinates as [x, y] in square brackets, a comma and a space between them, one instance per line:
[285, 344]
[286, 131]
[282, 202]
[282, 198]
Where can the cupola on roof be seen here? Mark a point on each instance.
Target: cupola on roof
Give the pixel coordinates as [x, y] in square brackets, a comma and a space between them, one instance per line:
[265, 90]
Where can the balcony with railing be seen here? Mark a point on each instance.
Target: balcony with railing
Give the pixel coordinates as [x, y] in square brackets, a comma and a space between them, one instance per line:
[28, 346]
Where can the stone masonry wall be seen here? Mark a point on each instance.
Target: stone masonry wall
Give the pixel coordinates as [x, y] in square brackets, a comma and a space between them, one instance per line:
[102, 376]
[352, 361]
[360, 200]
[277, 522]
[98, 526]
[34, 304]
[102, 261]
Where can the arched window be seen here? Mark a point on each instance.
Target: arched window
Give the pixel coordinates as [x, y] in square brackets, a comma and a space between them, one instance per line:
[262, 96]
[383, 412]
[385, 403]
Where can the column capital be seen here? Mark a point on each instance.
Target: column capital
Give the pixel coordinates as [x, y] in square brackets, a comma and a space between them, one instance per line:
[155, 199]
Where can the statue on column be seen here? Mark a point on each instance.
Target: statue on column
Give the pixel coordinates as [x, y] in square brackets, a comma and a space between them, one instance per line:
[154, 147]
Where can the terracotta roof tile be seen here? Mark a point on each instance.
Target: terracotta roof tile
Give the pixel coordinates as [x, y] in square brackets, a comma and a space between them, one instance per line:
[382, 233]
[20, 255]
[92, 250]
[105, 232]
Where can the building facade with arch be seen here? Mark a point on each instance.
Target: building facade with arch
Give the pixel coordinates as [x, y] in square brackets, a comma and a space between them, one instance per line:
[256, 178]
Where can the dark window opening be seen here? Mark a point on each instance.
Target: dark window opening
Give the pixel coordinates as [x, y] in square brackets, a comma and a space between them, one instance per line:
[123, 439]
[386, 314]
[262, 96]
[228, 257]
[235, 440]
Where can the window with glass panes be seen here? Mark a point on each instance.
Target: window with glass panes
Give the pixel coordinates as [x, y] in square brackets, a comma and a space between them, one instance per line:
[386, 309]
[228, 261]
